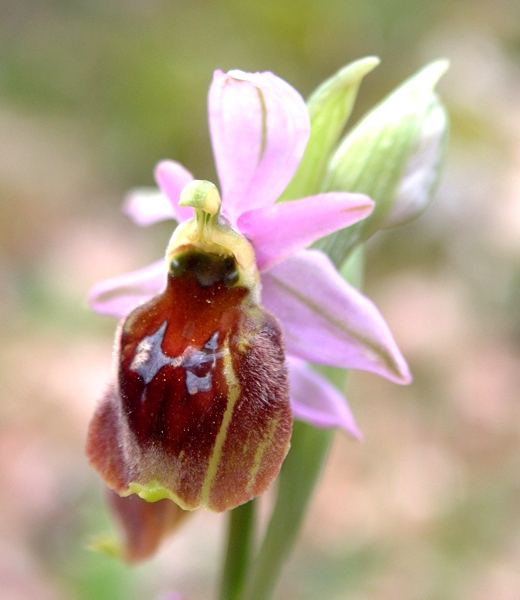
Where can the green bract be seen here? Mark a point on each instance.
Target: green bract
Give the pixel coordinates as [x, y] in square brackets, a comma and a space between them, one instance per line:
[394, 155]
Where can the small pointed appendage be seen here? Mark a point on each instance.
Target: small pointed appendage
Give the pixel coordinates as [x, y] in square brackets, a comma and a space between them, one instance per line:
[200, 410]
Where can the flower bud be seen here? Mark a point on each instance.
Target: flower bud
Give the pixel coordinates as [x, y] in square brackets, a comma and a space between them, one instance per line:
[199, 412]
[394, 155]
[330, 106]
[143, 526]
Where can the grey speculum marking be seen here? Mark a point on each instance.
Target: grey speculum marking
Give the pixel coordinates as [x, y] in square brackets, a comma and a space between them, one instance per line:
[149, 359]
[199, 366]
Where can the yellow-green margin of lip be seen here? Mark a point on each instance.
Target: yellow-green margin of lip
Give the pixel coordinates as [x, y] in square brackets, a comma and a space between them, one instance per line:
[216, 454]
[154, 491]
[207, 232]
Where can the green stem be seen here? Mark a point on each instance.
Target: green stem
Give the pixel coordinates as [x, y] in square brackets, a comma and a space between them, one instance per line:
[298, 477]
[240, 539]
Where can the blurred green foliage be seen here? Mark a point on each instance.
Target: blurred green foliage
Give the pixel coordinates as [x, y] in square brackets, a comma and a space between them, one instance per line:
[136, 72]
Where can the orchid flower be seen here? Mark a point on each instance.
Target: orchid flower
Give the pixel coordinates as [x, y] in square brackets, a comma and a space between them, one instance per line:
[252, 306]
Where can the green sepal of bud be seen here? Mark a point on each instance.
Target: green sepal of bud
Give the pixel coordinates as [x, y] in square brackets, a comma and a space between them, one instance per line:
[330, 107]
[394, 155]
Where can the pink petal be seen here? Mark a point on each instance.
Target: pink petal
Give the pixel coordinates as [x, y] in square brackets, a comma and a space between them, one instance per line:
[119, 295]
[172, 178]
[282, 229]
[259, 128]
[315, 400]
[326, 320]
[147, 205]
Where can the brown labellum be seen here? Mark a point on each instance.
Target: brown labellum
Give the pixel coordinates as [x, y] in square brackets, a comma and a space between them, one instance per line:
[200, 410]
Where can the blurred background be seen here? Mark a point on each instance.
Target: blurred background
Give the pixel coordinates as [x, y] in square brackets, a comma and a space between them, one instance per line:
[92, 94]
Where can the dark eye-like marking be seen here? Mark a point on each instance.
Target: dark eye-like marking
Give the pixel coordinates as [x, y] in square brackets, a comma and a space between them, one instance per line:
[232, 276]
[208, 269]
